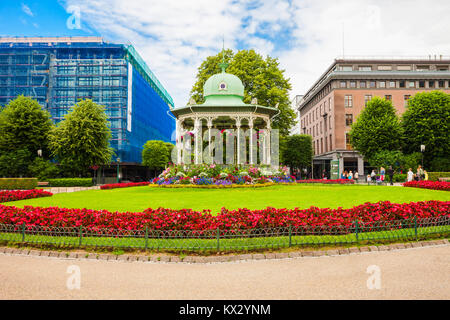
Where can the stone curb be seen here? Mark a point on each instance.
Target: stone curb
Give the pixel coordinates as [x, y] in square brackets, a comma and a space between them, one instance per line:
[221, 258]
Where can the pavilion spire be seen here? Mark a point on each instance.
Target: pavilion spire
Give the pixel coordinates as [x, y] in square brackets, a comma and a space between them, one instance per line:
[223, 65]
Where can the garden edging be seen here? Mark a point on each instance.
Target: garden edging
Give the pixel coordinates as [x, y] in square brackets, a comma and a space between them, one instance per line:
[220, 258]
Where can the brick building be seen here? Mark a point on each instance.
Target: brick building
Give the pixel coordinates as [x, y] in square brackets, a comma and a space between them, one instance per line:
[334, 102]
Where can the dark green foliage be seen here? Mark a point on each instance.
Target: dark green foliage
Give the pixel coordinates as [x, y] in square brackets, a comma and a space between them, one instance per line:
[396, 159]
[18, 183]
[376, 129]
[262, 79]
[82, 139]
[70, 182]
[440, 164]
[297, 151]
[43, 169]
[427, 121]
[155, 154]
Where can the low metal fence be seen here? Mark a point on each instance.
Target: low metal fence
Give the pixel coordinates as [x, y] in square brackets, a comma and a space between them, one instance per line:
[227, 240]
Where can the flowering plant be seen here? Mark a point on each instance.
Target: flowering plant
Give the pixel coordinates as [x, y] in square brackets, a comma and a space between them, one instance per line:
[433, 185]
[124, 185]
[327, 181]
[15, 195]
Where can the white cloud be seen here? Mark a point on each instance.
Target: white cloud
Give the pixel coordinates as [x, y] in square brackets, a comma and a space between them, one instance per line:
[27, 10]
[174, 37]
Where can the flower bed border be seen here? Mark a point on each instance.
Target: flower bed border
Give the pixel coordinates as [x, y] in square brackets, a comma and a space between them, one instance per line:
[17, 195]
[431, 185]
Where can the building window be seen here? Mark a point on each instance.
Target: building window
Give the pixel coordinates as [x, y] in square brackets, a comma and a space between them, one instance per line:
[441, 83]
[382, 84]
[388, 97]
[329, 103]
[421, 84]
[346, 68]
[372, 84]
[365, 68]
[331, 142]
[348, 120]
[343, 84]
[402, 84]
[321, 145]
[412, 84]
[348, 101]
[423, 68]
[404, 68]
[362, 84]
[352, 84]
[442, 68]
[367, 98]
[406, 98]
[384, 68]
[431, 84]
[391, 84]
[347, 142]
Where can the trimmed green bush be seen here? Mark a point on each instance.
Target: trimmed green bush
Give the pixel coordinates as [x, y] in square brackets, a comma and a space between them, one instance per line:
[399, 177]
[434, 176]
[18, 183]
[70, 182]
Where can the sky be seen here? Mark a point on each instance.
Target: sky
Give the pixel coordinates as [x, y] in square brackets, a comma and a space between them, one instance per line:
[174, 37]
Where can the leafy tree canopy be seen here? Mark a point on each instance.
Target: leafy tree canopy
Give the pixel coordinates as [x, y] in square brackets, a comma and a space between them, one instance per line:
[82, 139]
[427, 121]
[24, 125]
[376, 129]
[297, 151]
[156, 154]
[262, 79]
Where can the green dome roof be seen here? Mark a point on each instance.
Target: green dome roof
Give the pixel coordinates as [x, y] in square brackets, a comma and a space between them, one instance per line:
[224, 89]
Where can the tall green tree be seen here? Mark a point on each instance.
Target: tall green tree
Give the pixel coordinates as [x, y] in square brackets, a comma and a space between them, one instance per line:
[427, 121]
[156, 155]
[24, 129]
[262, 79]
[82, 139]
[376, 129]
[24, 125]
[298, 151]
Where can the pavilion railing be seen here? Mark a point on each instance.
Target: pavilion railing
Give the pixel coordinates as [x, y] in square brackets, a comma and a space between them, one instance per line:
[227, 240]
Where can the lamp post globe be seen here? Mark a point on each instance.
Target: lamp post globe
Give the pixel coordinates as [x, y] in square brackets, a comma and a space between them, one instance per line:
[118, 170]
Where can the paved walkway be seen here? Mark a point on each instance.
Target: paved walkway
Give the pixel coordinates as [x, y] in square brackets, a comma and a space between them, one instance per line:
[56, 190]
[415, 273]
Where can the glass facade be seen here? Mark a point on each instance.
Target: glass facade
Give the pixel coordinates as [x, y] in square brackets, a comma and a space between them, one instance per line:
[58, 74]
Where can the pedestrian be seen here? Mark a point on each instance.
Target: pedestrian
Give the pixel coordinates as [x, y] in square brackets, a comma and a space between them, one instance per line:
[382, 173]
[350, 175]
[420, 173]
[373, 175]
[356, 175]
[369, 179]
[390, 173]
[410, 175]
[425, 174]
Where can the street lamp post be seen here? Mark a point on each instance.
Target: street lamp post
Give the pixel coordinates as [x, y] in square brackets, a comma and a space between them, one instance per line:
[118, 170]
[422, 149]
[338, 156]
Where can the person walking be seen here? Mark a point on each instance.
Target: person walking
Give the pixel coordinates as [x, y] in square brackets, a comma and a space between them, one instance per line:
[356, 175]
[350, 175]
[390, 173]
[382, 173]
[410, 175]
[425, 174]
[420, 173]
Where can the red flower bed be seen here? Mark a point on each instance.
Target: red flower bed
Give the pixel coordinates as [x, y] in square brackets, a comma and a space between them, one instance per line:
[15, 195]
[124, 185]
[240, 219]
[434, 185]
[327, 181]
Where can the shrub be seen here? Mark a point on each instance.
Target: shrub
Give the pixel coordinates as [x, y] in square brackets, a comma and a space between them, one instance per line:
[434, 176]
[15, 195]
[399, 177]
[18, 183]
[43, 169]
[71, 182]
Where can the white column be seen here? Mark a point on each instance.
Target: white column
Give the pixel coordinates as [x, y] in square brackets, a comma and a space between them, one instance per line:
[238, 145]
[209, 141]
[178, 140]
[250, 125]
[196, 142]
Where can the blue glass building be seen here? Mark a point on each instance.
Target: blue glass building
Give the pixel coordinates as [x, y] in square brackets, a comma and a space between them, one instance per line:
[59, 71]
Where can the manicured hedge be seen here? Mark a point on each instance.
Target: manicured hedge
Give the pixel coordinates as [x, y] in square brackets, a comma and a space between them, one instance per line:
[434, 176]
[18, 183]
[70, 182]
[15, 195]
[98, 221]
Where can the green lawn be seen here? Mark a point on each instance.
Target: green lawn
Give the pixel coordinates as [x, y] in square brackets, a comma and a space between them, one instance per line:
[302, 196]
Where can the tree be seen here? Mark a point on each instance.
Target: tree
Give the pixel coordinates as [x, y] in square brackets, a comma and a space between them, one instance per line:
[169, 147]
[24, 129]
[262, 79]
[298, 152]
[376, 129]
[426, 121]
[82, 139]
[155, 155]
